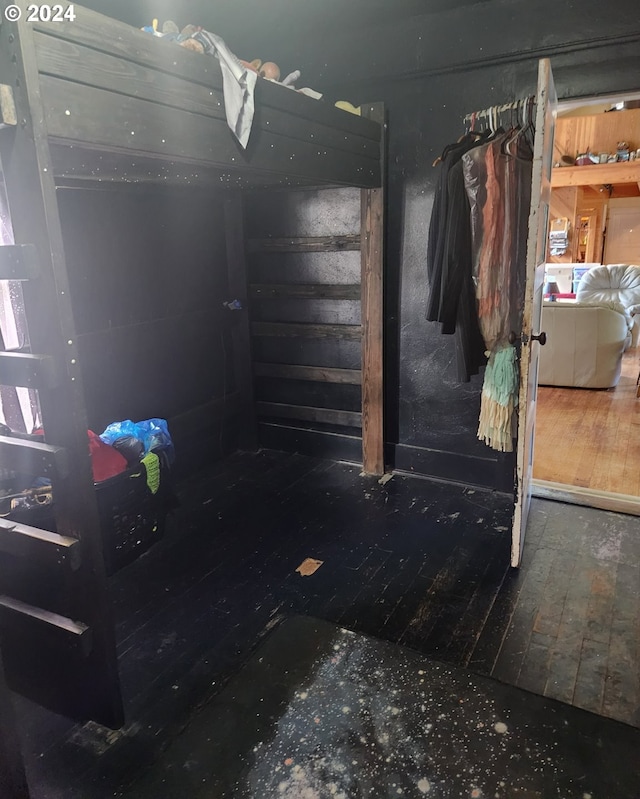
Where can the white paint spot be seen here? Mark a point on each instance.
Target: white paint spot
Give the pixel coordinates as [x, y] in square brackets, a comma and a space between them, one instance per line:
[336, 647]
[282, 787]
[346, 709]
[304, 695]
[424, 786]
[500, 727]
[586, 796]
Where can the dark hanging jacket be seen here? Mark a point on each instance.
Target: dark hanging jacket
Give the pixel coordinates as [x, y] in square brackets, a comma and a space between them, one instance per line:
[449, 265]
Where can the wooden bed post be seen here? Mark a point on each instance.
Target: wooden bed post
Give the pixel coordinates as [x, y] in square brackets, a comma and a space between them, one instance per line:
[241, 330]
[372, 251]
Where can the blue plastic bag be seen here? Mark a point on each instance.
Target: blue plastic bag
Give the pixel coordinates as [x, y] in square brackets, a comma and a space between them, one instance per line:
[153, 433]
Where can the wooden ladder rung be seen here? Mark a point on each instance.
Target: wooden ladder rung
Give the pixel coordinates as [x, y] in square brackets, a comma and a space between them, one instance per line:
[31, 457]
[29, 622]
[25, 369]
[18, 262]
[39, 545]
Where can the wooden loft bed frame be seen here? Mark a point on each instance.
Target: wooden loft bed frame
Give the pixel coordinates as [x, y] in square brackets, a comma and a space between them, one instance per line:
[89, 102]
[120, 104]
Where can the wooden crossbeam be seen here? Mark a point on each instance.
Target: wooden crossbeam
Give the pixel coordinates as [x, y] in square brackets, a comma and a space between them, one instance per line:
[25, 369]
[34, 543]
[320, 291]
[304, 330]
[319, 374]
[309, 414]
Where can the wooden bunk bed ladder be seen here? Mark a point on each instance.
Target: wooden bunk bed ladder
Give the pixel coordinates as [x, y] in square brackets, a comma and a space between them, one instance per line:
[57, 637]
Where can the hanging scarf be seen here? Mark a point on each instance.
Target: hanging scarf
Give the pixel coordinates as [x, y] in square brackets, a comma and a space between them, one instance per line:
[491, 188]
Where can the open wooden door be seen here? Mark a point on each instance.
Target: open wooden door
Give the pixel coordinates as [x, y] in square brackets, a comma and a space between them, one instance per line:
[546, 106]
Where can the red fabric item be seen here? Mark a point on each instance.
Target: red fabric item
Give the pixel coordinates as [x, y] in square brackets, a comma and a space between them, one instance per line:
[105, 460]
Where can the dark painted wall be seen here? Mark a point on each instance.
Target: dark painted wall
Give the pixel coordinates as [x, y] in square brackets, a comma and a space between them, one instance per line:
[430, 72]
[148, 275]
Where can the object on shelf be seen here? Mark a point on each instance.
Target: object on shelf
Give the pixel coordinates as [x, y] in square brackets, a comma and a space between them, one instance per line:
[559, 236]
[587, 159]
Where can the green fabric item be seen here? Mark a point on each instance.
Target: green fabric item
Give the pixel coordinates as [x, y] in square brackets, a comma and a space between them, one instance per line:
[152, 465]
[501, 376]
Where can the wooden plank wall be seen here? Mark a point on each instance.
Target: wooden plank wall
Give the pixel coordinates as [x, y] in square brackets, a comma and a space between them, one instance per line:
[304, 284]
[598, 133]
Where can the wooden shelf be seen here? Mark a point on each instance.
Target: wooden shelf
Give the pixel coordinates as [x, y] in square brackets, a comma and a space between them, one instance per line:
[596, 175]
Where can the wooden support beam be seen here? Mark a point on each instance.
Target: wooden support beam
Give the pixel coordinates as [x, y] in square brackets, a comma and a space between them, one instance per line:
[39, 545]
[31, 457]
[293, 330]
[323, 291]
[24, 369]
[241, 330]
[18, 262]
[319, 374]
[372, 222]
[305, 244]
[306, 413]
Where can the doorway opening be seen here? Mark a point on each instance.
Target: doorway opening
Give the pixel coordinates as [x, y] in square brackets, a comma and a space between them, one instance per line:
[587, 440]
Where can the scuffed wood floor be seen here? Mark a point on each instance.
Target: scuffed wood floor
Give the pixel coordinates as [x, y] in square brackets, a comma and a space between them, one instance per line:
[590, 438]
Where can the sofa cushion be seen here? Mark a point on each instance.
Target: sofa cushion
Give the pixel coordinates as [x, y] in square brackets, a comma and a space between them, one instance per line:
[614, 282]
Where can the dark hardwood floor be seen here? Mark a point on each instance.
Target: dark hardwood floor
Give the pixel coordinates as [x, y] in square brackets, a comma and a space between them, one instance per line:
[414, 562]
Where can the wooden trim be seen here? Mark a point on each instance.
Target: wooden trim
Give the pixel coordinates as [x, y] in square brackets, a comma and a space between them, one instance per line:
[24, 369]
[305, 244]
[587, 497]
[31, 457]
[241, 330]
[31, 542]
[596, 175]
[372, 223]
[18, 262]
[491, 472]
[306, 413]
[293, 330]
[319, 291]
[320, 374]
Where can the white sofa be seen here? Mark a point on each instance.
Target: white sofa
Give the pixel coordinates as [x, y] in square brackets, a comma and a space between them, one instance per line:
[614, 283]
[584, 345]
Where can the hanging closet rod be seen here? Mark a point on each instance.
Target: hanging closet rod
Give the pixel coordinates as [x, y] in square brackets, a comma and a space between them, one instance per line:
[498, 109]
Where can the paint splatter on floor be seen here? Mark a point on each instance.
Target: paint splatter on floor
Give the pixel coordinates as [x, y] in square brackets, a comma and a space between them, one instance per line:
[320, 713]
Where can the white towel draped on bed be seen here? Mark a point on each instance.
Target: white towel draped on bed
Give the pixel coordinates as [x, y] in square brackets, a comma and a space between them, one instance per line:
[239, 85]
